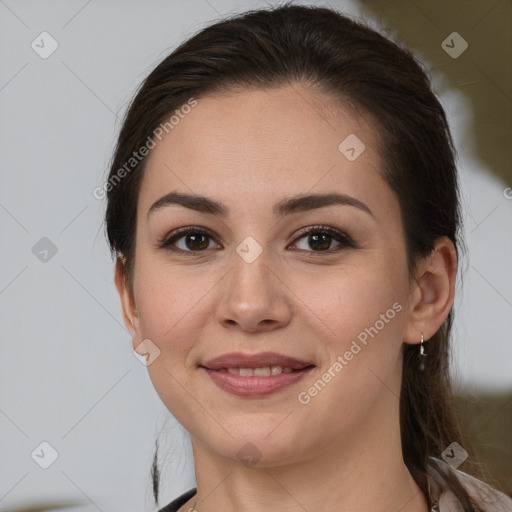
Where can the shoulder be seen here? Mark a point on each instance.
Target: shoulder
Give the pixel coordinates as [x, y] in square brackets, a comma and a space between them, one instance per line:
[488, 498]
[179, 501]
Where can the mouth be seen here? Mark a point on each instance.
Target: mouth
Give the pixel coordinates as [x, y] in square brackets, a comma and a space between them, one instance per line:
[255, 375]
[262, 371]
[266, 363]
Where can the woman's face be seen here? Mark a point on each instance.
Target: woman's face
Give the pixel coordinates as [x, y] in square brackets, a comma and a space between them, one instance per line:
[251, 279]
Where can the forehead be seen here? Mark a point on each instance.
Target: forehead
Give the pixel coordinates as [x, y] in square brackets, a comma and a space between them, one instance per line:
[254, 145]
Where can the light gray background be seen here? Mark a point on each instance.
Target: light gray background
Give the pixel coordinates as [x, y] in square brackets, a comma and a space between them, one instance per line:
[68, 374]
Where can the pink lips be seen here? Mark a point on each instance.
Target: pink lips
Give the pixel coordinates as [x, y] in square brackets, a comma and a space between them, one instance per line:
[240, 360]
[254, 385]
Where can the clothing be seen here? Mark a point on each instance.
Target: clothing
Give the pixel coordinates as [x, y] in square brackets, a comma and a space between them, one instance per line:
[489, 499]
[178, 502]
[492, 500]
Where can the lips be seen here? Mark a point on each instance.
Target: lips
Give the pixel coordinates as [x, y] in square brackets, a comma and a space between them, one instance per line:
[255, 375]
[261, 360]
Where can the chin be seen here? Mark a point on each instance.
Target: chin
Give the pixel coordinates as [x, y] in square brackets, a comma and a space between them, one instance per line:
[258, 448]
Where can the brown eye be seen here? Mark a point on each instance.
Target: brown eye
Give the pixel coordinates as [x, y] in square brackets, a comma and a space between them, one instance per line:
[320, 239]
[196, 242]
[192, 240]
[320, 242]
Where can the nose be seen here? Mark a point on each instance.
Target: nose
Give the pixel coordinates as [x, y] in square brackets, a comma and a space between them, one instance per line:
[254, 297]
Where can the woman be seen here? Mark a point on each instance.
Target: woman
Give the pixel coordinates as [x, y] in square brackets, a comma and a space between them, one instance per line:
[283, 207]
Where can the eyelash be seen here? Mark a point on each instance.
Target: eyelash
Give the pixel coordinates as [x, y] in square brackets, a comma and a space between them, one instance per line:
[167, 241]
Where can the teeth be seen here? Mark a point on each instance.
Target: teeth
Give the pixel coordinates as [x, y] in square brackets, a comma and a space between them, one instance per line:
[276, 370]
[262, 372]
[265, 371]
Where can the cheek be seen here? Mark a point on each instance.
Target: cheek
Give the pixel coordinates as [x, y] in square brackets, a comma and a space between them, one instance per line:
[173, 310]
[168, 317]
[165, 293]
[359, 318]
[345, 302]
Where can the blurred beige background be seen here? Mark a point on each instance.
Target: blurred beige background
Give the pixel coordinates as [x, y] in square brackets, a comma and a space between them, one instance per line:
[484, 75]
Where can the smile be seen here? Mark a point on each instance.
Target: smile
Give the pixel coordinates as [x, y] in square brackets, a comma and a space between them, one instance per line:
[264, 371]
[256, 382]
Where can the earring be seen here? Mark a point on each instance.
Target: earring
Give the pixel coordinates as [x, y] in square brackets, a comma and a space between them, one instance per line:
[422, 354]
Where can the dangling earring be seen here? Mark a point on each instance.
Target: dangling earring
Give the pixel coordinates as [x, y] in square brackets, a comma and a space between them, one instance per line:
[422, 354]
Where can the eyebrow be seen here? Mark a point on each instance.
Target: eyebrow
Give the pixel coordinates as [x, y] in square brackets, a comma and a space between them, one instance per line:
[283, 207]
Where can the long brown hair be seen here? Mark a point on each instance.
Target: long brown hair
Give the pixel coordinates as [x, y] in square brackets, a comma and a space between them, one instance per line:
[379, 79]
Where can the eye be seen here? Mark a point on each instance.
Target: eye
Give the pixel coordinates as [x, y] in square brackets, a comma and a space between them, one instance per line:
[320, 239]
[194, 240]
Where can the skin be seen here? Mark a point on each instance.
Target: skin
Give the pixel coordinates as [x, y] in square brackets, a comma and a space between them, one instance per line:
[249, 149]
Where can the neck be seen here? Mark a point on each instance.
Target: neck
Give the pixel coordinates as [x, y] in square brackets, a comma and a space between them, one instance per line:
[363, 471]
[363, 484]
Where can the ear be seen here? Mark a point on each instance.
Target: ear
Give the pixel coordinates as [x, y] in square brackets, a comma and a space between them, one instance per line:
[432, 291]
[130, 313]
